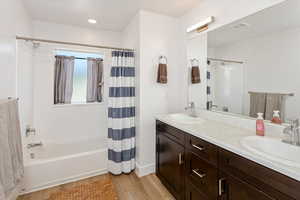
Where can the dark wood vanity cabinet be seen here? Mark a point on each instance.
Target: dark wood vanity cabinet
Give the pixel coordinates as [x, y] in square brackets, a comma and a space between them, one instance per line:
[236, 189]
[193, 169]
[170, 160]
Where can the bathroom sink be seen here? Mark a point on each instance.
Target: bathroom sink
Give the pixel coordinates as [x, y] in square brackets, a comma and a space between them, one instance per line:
[186, 119]
[273, 149]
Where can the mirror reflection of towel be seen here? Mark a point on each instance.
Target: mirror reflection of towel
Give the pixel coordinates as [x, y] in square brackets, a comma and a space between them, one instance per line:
[257, 104]
[162, 74]
[274, 102]
[196, 74]
[266, 103]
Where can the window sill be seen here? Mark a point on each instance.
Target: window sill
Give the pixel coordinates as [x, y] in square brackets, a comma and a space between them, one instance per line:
[78, 105]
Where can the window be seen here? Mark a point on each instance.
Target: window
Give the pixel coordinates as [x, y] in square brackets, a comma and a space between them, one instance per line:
[80, 75]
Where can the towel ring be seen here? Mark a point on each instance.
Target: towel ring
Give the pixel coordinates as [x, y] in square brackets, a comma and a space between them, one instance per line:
[193, 61]
[162, 58]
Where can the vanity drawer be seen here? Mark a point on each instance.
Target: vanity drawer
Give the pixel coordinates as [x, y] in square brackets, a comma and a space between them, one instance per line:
[203, 149]
[171, 132]
[259, 176]
[202, 174]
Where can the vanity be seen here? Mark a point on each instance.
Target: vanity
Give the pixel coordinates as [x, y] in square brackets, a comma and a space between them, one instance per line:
[248, 68]
[201, 159]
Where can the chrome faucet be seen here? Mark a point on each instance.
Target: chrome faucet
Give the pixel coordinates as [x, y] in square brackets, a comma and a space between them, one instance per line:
[192, 107]
[210, 105]
[292, 135]
[32, 145]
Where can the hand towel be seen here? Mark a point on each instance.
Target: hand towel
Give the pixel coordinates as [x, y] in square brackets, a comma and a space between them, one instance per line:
[162, 74]
[195, 75]
[257, 104]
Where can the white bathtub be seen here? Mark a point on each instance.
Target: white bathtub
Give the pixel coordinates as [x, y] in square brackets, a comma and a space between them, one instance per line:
[56, 164]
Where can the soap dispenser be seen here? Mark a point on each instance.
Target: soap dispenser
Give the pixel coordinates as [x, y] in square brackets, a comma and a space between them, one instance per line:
[260, 126]
[276, 117]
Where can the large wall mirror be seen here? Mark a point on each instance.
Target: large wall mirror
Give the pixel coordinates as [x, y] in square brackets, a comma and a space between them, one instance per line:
[254, 64]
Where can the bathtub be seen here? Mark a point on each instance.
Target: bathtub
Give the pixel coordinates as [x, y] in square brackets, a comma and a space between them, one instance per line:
[58, 163]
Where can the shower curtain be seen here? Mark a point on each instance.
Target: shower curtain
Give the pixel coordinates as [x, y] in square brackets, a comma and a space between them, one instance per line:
[121, 113]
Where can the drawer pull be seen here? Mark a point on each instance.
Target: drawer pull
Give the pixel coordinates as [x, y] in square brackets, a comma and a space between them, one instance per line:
[221, 186]
[198, 147]
[196, 171]
[180, 160]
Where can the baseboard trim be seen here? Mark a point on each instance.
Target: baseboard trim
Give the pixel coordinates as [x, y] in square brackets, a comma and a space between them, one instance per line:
[144, 170]
[64, 181]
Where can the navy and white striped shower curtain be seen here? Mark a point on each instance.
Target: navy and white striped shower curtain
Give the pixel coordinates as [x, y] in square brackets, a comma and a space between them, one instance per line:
[121, 113]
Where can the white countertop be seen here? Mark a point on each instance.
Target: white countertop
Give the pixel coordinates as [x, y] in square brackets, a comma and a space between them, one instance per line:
[228, 137]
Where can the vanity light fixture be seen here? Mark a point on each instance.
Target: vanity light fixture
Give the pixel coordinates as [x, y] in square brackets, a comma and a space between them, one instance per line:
[92, 21]
[201, 26]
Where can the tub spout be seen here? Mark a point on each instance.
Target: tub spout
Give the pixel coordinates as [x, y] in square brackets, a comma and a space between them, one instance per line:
[32, 145]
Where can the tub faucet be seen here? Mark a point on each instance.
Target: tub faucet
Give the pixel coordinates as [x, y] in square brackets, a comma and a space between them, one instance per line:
[192, 107]
[292, 133]
[32, 145]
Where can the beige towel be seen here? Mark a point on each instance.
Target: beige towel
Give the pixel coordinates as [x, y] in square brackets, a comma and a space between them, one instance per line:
[257, 104]
[195, 75]
[11, 156]
[274, 102]
[162, 74]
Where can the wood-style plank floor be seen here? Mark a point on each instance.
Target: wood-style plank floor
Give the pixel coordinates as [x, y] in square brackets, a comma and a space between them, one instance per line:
[128, 187]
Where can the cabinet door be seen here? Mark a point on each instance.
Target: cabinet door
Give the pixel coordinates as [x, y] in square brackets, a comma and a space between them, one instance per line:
[170, 165]
[235, 189]
[192, 192]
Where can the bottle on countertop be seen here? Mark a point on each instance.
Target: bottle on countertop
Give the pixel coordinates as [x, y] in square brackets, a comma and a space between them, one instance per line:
[260, 126]
[276, 117]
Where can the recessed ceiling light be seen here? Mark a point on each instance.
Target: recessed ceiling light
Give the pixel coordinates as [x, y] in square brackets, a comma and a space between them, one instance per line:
[92, 21]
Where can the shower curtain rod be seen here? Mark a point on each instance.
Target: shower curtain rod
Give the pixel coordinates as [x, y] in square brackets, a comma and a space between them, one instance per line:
[222, 60]
[71, 43]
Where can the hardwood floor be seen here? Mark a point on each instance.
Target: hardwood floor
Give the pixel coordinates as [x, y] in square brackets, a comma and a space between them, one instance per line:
[128, 187]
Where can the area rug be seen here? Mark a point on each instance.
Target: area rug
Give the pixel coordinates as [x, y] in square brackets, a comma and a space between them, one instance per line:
[102, 189]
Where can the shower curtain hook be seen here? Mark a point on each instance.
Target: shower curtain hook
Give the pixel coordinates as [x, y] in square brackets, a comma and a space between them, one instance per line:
[193, 60]
[36, 44]
[161, 58]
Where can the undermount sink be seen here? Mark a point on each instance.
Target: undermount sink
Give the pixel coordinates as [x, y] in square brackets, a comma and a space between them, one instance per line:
[186, 119]
[273, 149]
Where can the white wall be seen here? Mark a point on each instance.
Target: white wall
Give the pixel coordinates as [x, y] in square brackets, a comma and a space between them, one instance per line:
[271, 65]
[25, 84]
[131, 39]
[224, 12]
[197, 49]
[68, 123]
[13, 20]
[153, 35]
[69, 33]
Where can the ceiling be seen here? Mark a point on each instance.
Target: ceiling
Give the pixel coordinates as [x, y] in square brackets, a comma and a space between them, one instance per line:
[110, 14]
[280, 17]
